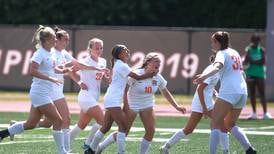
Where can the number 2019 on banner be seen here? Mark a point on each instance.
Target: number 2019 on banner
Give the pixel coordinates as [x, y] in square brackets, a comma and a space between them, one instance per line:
[190, 63]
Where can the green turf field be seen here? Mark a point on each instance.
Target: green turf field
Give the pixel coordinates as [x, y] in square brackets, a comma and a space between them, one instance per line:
[260, 133]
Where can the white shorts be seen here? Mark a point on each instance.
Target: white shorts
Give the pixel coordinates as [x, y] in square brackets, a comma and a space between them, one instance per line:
[197, 107]
[140, 106]
[112, 102]
[85, 105]
[138, 110]
[57, 93]
[39, 99]
[238, 101]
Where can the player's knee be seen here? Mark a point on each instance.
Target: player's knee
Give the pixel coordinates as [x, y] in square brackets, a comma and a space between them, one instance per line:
[188, 131]
[29, 125]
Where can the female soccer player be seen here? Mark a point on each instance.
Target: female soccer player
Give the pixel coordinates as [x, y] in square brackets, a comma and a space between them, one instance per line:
[113, 97]
[42, 69]
[232, 93]
[139, 99]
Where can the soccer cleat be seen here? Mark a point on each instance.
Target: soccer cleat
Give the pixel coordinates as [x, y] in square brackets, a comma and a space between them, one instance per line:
[251, 150]
[267, 116]
[164, 150]
[89, 151]
[85, 146]
[11, 123]
[252, 116]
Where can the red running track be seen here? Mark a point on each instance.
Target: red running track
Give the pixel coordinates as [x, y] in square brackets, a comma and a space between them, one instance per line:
[160, 110]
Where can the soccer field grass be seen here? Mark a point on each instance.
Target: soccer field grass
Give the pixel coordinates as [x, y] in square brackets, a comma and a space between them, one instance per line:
[260, 133]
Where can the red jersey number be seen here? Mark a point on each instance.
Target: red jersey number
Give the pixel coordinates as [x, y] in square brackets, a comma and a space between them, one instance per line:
[99, 76]
[237, 65]
[148, 89]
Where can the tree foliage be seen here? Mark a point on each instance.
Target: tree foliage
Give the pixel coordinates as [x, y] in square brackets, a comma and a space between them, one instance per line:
[175, 13]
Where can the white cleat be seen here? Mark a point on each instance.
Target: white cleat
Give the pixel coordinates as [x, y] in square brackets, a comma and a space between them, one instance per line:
[252, 116]
[11, 123]
[267, 116]
[164, 150]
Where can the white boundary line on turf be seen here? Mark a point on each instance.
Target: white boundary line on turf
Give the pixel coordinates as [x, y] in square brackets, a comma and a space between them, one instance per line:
[173, 130]
[47, 139]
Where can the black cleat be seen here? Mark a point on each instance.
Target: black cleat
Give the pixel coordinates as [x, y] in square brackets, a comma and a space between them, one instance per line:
[251, 150]
[89, 151]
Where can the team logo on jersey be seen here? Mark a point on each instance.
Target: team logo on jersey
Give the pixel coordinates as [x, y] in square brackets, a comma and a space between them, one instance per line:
[154, 82]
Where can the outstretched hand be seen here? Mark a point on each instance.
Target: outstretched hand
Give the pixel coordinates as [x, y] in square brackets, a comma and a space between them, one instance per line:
[181, 109]
[198, 79]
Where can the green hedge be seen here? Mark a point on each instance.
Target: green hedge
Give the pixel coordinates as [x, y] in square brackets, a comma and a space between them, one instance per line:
[175, 13]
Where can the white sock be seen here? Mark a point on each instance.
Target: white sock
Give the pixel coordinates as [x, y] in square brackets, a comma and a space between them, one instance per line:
[144, 146]
[108, 141]
[214, 140]
[74, 132]
[241, 137]
[224, 142]
[16, 128]
[121, 142]
[66, 139]
[175, 139]
[96, 140]
[59, 140]
[93, 130]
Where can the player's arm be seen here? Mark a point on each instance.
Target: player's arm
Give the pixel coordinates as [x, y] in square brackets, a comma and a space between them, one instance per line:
[201, 77]
[125, 100]
[200, 91]
[76, 78]
[33, 71]
[166, 93]
[141, 77]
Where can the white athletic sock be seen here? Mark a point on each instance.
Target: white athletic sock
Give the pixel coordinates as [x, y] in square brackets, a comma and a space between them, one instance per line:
[93, 130]
[214, 140]
[108, 141]
[59, 140]
[241, 137]
[96, 140]
[66, 139]
[224, 142]
[175, 139]
[74, 132]
[144, 147]
[16, 128]
[121, 142]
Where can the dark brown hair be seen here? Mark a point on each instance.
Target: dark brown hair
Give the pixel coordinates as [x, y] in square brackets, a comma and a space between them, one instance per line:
[59, 32]
[116, 50]
[223, 38]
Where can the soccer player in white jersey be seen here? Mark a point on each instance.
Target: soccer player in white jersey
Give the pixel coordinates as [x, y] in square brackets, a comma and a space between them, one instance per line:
[202, 104]
[232, 93]
[90, 82]
[139, 99]
[42, 69]
[113, 98]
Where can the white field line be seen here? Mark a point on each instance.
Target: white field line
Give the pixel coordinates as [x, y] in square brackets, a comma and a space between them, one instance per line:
[251, 131]
[50, 139]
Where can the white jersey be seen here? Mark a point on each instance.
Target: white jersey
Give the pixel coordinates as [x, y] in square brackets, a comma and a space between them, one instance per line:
[141, 92]
[231, 77]
[115, 91]
[208, 92]
[60, 58]
[46, 67]
[92, 79]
